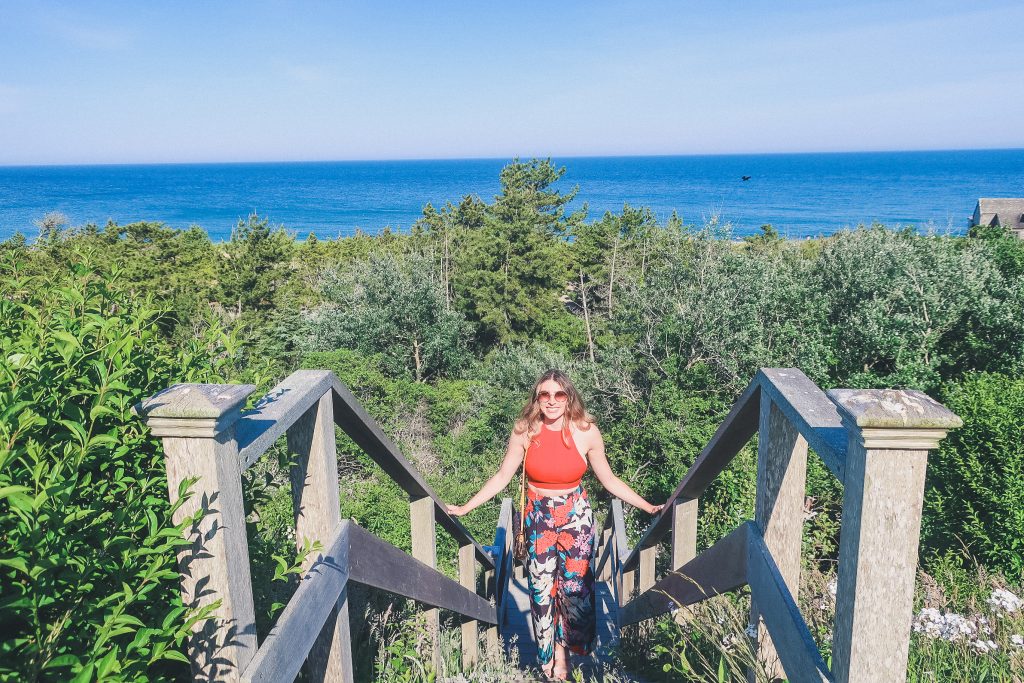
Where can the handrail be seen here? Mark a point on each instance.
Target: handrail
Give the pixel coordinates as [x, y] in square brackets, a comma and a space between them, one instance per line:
[800, 399]
[280, 656]
[276, 412]
[875, 442]
[209, 441]
[503, 558]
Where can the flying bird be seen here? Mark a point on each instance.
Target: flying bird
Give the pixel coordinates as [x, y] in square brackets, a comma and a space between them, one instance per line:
[746, 177]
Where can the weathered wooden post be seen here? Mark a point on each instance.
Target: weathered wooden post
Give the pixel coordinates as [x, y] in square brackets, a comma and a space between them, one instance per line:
[467, 578]
[314, 480]
[626, 579]
[647, 558]
[606, 569]
[684, 541]
[890, 434]
[424, 549]
[778, 513]
[197, 425]
[684, 531]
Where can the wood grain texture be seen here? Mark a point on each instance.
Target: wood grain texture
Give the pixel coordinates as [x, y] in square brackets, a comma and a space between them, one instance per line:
[379, 564]
[276, 412]
[793, 641]
[287, 645]
[314, 483]
[424, 549]
[778, 511]
[215, 566]
[811, 411]
[470, 635]
[719, 569]
[646, 578]
[684, 531]
[878, 545]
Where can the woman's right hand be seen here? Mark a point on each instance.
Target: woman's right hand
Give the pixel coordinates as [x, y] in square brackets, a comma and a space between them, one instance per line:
[457, 510]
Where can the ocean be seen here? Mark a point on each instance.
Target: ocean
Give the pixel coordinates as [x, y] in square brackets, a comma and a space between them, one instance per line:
[799, 194]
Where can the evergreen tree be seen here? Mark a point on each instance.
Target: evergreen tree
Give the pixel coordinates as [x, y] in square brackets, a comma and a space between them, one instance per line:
[513, 269]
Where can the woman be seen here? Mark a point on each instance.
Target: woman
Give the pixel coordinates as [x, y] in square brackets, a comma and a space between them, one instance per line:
[559, 440]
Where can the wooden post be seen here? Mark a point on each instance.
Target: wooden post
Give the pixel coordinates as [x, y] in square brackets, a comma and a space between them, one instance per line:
[467, 577]
[890, 434]
[684, 541]
[197, 424]
[314, 479]
[626, 579]
[491, 630]
[424, 549]
[684, 531]
[606, 570]
[647, 558]
[778, 514]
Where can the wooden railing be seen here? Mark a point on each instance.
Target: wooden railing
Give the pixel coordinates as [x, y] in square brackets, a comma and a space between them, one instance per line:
[209, 441]
[876, 443]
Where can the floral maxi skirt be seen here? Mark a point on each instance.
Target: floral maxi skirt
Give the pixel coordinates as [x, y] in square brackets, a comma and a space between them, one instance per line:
[560, 531]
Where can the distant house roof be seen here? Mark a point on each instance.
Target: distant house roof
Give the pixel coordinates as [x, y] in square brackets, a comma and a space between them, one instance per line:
[1008, 213]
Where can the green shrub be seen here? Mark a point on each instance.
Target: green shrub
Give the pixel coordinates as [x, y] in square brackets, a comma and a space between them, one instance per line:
[87, 549]
[975, 496]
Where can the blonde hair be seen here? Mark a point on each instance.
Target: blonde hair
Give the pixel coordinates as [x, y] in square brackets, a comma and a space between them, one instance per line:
[530, 420]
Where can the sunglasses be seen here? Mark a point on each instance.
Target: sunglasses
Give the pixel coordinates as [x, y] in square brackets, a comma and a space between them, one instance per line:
[545, 396]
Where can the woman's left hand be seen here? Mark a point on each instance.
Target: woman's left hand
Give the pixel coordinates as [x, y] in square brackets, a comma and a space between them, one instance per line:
[655, 509]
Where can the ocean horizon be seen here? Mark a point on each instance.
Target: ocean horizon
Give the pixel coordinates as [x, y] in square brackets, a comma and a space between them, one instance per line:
[800, 194]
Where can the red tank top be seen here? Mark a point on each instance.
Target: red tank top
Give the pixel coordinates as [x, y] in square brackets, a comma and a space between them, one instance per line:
[551, 464]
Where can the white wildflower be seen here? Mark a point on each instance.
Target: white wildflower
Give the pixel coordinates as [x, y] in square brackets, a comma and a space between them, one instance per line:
[1004, 602]
[751, 631]
[984, 646]
[950, 627]
[1017, 640]
[833, 586]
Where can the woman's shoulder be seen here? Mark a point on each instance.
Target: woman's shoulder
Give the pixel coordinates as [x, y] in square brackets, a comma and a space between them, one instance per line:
[523, 430]
[586, 429]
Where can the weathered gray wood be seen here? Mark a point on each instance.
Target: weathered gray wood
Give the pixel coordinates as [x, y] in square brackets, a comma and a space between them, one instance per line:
[215, 565]
[811, 411]
[503, 561]
[424, 549]
[894, 409]
[276, 412]
[684, 531]
[603, 566]
[364, 430]
[470, 636]
[379, 564]
[315, 601]
[719, 569]
[626, 584]
[731, 436]
[881, 525]
[647, 557]
[793, 641]
[199, 410]
[314, 482]
[778, 512]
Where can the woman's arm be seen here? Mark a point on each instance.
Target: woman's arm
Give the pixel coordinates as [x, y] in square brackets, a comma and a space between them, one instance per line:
[613, 484]
[509, 466]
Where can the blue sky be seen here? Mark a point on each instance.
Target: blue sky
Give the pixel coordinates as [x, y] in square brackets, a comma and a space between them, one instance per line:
[100, 82]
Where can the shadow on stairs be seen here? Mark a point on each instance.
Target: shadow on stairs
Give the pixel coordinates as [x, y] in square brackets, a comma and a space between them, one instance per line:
[600, 667]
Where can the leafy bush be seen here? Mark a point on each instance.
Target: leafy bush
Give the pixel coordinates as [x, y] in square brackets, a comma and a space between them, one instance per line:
[87, 549]
[396, 307]
[975, 495]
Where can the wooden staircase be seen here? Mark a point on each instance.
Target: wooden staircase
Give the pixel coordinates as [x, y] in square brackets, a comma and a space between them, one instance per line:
[874, 442]
[517, 632]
